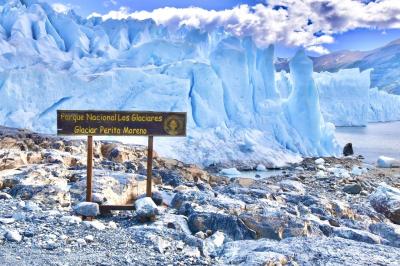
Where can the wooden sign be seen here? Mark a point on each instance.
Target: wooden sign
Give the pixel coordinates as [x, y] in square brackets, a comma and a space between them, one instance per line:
[121, 123]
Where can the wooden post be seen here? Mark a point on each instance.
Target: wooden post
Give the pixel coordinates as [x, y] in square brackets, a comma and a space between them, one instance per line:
[89, 169]
[149, 166]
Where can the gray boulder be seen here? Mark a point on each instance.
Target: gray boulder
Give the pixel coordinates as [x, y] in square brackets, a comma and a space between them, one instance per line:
[13, 236]
[293, 186]
[275, 225]
[356, 235]
[146, 209]
[89, 209]
[386, 200]
[348, 149]
[230, 225]
[352, 189]
[389, 232]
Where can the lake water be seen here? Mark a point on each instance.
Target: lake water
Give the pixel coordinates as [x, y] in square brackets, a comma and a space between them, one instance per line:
[372, 141]
[257, 174]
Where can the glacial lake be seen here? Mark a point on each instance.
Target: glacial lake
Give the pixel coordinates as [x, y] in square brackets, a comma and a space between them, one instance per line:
[372, 141]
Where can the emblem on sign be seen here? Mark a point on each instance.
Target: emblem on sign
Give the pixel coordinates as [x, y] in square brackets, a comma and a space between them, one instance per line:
[174, 125]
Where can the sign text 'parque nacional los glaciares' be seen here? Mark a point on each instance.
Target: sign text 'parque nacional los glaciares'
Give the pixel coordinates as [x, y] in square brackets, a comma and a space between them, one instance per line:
[121, 123]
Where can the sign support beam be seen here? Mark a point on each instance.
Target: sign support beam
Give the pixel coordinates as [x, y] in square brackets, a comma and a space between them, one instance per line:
[149, 166]
[89, 169]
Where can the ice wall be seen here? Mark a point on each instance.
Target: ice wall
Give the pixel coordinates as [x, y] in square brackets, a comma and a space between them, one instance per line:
[344, 96]
[383, 106]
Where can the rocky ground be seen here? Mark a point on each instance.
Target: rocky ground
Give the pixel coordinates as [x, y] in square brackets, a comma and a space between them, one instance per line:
[323, 211]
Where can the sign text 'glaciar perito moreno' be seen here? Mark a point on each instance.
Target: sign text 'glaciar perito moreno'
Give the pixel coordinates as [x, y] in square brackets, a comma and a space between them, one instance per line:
[121, 123]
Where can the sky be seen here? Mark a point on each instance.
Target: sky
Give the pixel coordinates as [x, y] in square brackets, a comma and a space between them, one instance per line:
[321, 26]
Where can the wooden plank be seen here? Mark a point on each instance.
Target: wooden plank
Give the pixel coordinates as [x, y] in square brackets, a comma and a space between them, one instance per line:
[107, 208]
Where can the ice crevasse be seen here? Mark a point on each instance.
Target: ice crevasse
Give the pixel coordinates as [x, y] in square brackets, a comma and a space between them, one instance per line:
[237, 116]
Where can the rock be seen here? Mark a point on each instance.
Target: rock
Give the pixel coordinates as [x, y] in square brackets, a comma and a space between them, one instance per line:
[201, 235]
[245, 181]
[63, 237]
[340, 172]
[389, 232]
[321, 175]
[189, 195]
[386, 162]
[229, 171]
[13, 236]
[89, 239]
[28, 233]
[31, 206]
[334, 222]
[213, 244]
[356, 170]
[172, 178]
[98, 198]
[319, 161]
[95, 224]
[81, 242]
[275, 225]
[177, 222]
[146, 209]
[113, 188]
[112, 225]
[89, 209]
[4, 196]
[352, 189]
[191, 251]
[71, 219]
[7, 220]
[291, 185]
[230, 225]
[50, 245]
[252, 252]
[386, 200]
[348, 149]
[356, 235]
[156, 196]
[261, 168]
[40, 185]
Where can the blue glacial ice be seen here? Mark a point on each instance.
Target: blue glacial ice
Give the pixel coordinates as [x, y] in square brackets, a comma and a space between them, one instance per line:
[240, 111]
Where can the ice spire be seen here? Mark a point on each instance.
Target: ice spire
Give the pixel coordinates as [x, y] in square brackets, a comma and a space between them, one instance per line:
[303, 102]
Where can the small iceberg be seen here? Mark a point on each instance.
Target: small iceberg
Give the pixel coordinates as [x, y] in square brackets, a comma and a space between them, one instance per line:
[229, 171]
[387, 162]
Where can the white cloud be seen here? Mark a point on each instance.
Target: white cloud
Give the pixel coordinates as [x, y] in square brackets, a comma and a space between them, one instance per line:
[61, 8]
[307, 23]
[319, 49]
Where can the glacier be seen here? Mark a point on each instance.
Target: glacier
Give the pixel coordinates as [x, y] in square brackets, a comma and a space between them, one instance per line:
[240, 111]
[346, 98]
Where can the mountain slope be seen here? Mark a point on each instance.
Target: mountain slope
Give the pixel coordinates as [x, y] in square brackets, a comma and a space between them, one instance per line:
[384, 61]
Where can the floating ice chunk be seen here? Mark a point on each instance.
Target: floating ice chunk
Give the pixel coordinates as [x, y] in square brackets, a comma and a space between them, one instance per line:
[386, 162]
[229, 171]
[261, 168]
[319, 161]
